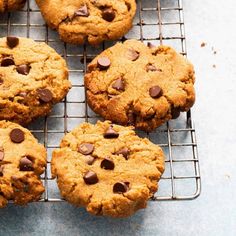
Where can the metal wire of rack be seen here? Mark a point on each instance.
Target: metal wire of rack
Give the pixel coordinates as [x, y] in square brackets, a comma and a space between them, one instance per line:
[156, 21]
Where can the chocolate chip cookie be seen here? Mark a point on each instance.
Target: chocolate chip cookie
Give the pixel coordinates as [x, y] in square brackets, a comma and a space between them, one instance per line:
[145, 86]
[107, 168]
[78, 21]
[33, 77]
[11, 5]
[22, 161]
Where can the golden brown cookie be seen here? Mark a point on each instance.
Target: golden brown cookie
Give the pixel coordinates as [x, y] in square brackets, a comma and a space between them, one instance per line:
[11, 5]
[95, 21]
[33, 77]
[107, 168]
[145, 86]
[22, 161]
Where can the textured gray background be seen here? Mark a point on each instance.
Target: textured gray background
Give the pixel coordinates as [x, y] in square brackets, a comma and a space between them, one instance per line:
[214, 212]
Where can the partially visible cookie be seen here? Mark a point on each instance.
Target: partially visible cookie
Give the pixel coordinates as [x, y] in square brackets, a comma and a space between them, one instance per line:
[11, 5]
[145, 86]
[22, 161]
[95, 21]
[33, 77]
[107, 168]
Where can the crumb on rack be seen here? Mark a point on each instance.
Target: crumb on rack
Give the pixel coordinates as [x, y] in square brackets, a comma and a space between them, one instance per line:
[203, 44]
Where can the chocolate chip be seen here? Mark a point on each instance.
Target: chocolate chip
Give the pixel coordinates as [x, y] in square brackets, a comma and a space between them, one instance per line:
[45, 95]
[132, 55]
[128, 5]
[155, 92]
[1, 153]
[150, 45]
[86, 148]
[1, 171]
[83, 11]
[17, 136]
[1, 81]
[110, 133]
[131, 117]
[151, 67]
[103, 63]
[26, 164]
[124, 152]
[107, 164]
[175, 113]
[108, 14]
[120, 187]
[12, 41]
[90, 177]
[90, 160]
[23, 69]
[7, 61]
[119, 85]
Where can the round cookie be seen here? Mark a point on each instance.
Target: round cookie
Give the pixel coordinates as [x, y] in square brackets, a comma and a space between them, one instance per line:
[94, 21]
[33, 77]
[145, 86]
[107, 168]
[11, 5]
[22, 161]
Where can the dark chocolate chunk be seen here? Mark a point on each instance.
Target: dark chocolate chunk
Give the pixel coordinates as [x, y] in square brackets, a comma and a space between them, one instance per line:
[124, 152]
[17, 136]
[26, 164]
[108, 14]
[119, 85]
[120, 187]
[12, 41]
[45, 95]
[90, 177]
[111, 133]
[86, 148]
[23, 69]
[7, 61]
[175, 113]
[155, 92]
[132, 55]
[103, 63]
[82, 11]
[107, 164]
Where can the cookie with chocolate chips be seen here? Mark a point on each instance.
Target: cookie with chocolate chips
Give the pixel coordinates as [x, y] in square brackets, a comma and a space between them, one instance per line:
[33, 77]
[107, 168]
[93, 21]
[145, 86]
[11, 5]
[22, 161]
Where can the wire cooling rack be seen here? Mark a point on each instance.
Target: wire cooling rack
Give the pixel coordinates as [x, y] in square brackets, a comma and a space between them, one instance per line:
[156, 21]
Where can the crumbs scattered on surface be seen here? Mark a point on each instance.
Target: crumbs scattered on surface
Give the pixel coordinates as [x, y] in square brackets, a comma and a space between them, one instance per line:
[203, 44]
[213, 50]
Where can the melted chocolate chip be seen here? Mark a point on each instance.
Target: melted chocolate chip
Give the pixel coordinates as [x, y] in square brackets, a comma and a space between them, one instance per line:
[90, 160]
[132, 55]
[107, 164]
[7, 61]
[23, 69]
[86, 148]
[45, 95]
[1, 81]
[103, 63]
[90, 177]
[110, 133]
[155, 92]
[124, 152]
[108, 14]
[121, 187]
[128, 6]
[175, 113]
[12, 41]
[119, 85]
[82, 11]
[150, 45]
[17, 136]
[26, 164]
[1, 154]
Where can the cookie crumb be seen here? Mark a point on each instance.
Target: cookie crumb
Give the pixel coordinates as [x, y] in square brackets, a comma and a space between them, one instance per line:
[203, 44]
[214, 66]
[214, 51]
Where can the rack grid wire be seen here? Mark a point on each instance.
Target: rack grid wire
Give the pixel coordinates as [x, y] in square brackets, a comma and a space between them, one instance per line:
[156, 21]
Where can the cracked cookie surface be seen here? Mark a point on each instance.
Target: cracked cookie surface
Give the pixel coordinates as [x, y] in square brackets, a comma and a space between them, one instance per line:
[33, 77]
[94, 21]
[107, 168]
[22, 161]
[11, 5]
[145, 86]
